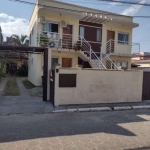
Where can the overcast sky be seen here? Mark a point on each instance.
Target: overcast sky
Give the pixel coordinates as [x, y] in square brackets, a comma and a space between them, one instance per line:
[14, 17]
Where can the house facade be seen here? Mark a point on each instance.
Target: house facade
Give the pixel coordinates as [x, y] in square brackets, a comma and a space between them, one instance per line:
[78, 35]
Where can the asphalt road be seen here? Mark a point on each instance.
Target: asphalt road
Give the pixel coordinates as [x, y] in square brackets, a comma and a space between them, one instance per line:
[115, 130]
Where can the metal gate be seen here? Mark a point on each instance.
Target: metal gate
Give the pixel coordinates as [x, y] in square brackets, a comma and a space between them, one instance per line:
[146, 86]
[52, 86]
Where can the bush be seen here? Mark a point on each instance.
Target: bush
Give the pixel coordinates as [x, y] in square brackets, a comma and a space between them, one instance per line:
[2, 68]
[23, 70]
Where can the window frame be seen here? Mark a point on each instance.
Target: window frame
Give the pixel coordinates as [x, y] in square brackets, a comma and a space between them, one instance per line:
[123, 42]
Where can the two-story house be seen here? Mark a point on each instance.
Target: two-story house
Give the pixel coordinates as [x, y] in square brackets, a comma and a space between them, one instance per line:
[79, 35]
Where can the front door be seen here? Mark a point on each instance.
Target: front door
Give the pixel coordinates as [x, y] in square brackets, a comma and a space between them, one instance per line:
[67, 37]
[111, 36]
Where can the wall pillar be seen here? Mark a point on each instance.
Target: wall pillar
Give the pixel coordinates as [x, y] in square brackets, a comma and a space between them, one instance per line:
[48, 76]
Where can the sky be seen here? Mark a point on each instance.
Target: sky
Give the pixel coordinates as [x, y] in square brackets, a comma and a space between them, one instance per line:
[14, 17]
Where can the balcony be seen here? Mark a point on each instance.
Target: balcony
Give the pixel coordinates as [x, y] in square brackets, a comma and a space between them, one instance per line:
[120, 48]
[58, 41]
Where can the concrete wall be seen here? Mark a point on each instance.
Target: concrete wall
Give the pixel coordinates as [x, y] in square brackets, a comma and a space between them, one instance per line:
[94, 86]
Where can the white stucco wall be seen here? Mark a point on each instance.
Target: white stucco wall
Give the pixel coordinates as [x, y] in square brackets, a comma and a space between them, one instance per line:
[35, 69]
[95, 86]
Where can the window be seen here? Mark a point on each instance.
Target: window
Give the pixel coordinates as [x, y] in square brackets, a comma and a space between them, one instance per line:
[122, 64]
[54, 62]
[66, 62]
[82, 31]
[99, 33]
[123, 38]
[50, 27]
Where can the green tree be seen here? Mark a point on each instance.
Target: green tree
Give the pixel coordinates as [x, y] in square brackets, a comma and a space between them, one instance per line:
[19, 40]
[23, 70]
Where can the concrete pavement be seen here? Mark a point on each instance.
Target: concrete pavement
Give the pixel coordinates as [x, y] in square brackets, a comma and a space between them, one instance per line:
[24, 103]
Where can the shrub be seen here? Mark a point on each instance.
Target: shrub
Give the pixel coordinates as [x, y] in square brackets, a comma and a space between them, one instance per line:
[23, 70]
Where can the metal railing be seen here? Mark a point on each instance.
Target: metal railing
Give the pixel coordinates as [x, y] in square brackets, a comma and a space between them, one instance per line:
[110, 46]
[55, 40]
[65, 41]
[94, 60]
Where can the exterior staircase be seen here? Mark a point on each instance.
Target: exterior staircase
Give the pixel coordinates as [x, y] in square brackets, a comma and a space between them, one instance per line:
[102, 62]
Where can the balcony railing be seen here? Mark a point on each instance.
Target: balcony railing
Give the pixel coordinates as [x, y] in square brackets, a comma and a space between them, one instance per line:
[111, 46]
[58, 40]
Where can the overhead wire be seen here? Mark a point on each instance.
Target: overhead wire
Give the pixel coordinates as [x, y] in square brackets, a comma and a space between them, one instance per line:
[30, 3]
[110, 2]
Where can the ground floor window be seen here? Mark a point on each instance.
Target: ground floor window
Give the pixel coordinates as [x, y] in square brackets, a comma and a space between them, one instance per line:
[54, 62]
[123, 64]
[66, 62]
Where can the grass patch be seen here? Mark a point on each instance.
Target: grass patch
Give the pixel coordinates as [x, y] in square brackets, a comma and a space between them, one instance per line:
[28, 84]
[11, 88]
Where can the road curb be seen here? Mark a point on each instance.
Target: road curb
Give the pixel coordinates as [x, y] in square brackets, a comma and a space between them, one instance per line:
[123, 108]
[141, 107]
[93, 109]
[101, 109]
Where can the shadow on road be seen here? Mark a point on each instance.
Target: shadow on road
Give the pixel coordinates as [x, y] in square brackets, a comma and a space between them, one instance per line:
[23, 127]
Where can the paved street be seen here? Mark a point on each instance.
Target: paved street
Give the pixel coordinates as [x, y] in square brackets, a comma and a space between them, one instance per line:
[128, 130]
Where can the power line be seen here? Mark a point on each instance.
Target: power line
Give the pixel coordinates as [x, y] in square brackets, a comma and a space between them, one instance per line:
[111, 1]
[125, 2]
[91, 2]
[30, 3]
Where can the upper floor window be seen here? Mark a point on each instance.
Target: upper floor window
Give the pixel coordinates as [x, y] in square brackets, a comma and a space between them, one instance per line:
[123, 38]
[50, 27]
[99, 35]
[81, 31]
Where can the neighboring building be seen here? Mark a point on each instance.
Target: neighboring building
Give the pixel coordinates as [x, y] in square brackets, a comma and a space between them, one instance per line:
[1, 36]
[105, 38]
[15, 59]
[141, 61]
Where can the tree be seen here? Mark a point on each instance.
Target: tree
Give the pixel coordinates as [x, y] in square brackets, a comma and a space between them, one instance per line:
[19, 40]
[23, 70]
